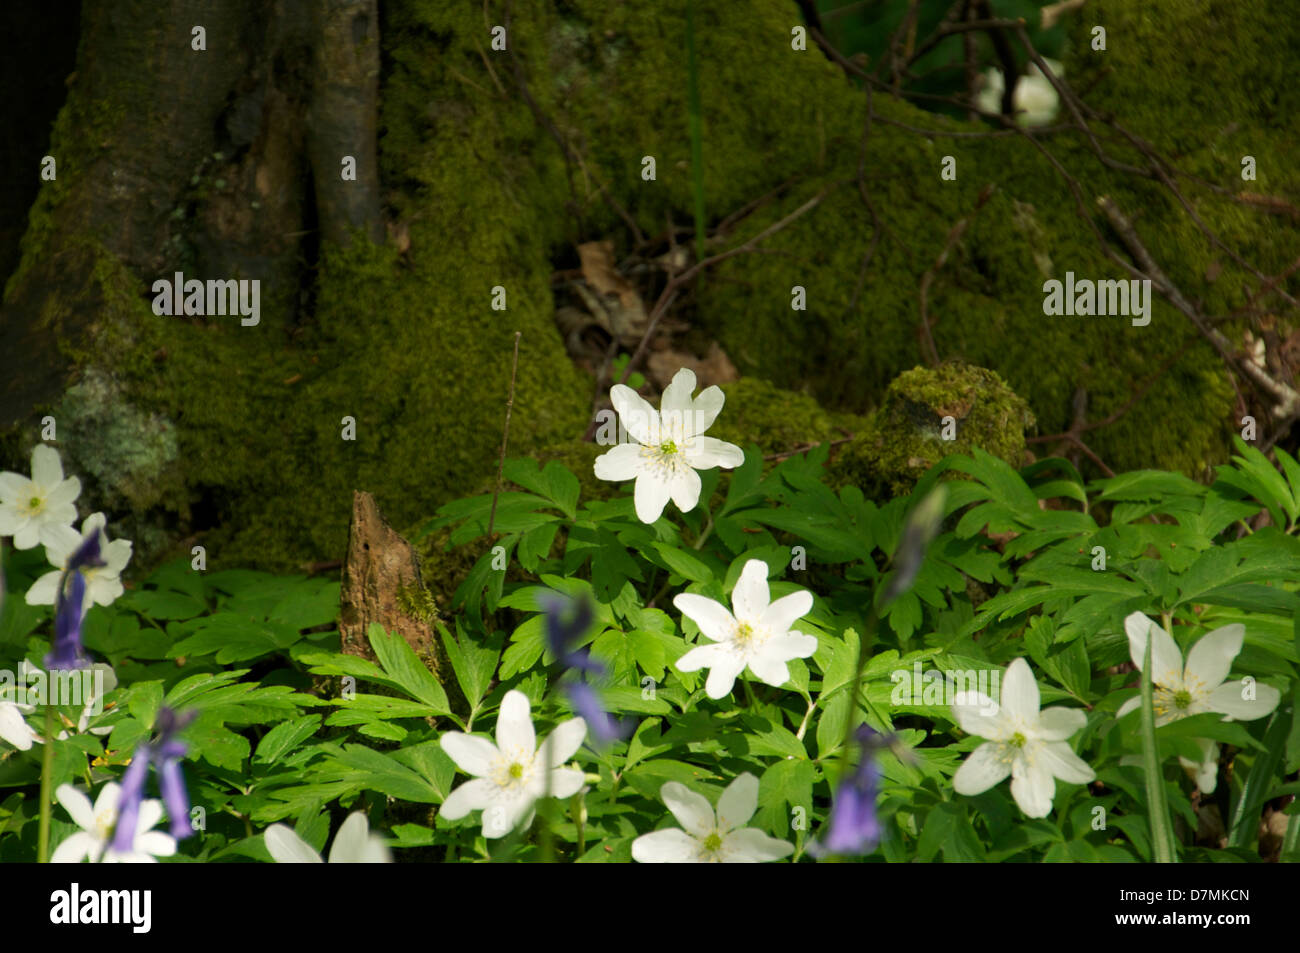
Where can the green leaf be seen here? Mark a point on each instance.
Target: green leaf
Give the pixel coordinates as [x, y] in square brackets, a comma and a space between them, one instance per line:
[144, 700]
[385, 774]
[683, 563]
[473, 662]
[554, 482]
[1245, 812]
[405, 667]
[284, 737]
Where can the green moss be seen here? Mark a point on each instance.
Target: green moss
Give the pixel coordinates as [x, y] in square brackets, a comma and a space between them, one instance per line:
[409, 346]
[909, 434]
[418, 603]
[777, 420]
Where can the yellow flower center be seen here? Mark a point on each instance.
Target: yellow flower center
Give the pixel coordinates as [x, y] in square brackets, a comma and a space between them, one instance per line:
[34, 503]
[712, 843]
[516, 770]
[667, 448]
[1017, 740]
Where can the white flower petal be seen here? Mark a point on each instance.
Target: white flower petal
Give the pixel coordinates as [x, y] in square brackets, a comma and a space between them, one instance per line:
[684, 489]
[1228, 699]
[974, 718]
[45, 590]
[651, 494]
[984, 768]
[1210, 660]
[752, 846]
[750, 598]
[1020, 698]
[676, 408]
[151, 812]
[14, 728]
[354, 844]
[516, 738]
[475, 795]
[789, 646]
[702, 656]
[692, 810]
[77, 805]
[566, 782]
[155, 844]
[287, 847]
[473, 755]
[563, 743]
[1033, 789]
[722, 676]
[638, 418]
[14, 487]
[27, 536]
[63, 494]
[624, 462]
[713, 619]
[704, 453]
[786, 611]
[47, 469]
[707, 407]
[769, 669]
[1166, 660]
[1057, 724]
[738, 802]
[1057, 758]
[109, 796]
[669, 846]
[75, 848]
[1205, 771]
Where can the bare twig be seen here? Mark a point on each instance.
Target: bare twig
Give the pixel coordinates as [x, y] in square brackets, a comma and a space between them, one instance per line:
[505, 435]
[1288, 401]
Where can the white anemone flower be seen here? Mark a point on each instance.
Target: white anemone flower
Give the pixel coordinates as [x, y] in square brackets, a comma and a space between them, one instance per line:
[706, 838]
[1204, 772]
[103, 583]
[1023, 742]
[1035, 100]
[97, 823]
[509, 776]
[758, 637]
[353, 844]
[31, 510]
[13, 726]
[1202, 684]
[669, 445]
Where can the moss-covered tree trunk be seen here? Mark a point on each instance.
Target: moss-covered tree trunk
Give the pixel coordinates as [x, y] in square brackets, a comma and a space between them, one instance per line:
[382, 358]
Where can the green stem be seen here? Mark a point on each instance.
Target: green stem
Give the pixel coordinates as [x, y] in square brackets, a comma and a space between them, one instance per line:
[864, 653]
[1291, 839]
[803, 725]
[704, 533]
[47, 776]
[1161, 835]
[579, 808]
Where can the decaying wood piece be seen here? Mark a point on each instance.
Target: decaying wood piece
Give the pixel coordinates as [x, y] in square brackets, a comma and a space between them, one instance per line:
[381, 583]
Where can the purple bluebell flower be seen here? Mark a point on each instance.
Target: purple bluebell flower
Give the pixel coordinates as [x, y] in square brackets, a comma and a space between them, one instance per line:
[566, 622]
[854, 827]
[165, 753]
[67, 651]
